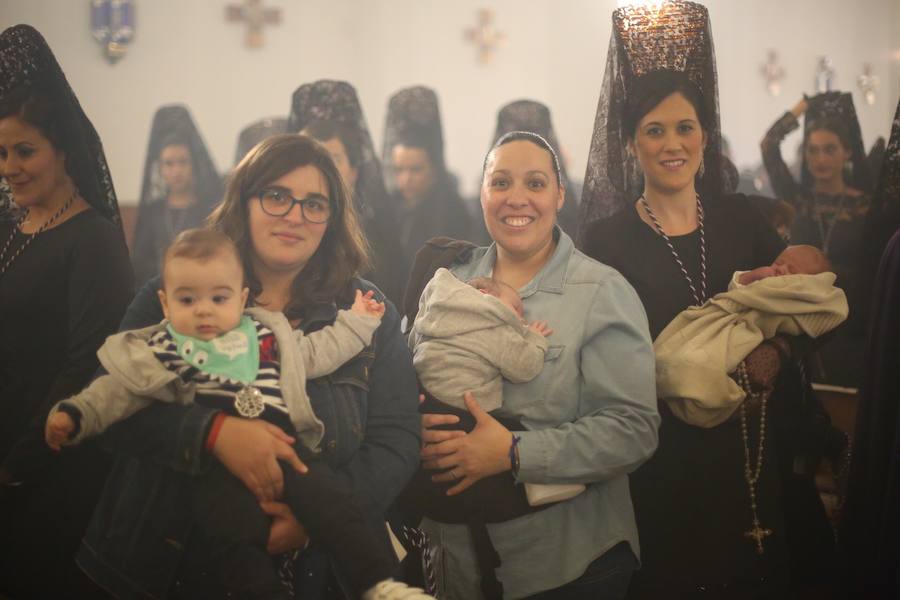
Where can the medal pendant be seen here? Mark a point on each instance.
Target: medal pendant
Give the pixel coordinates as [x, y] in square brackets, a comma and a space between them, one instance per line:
[249, 402]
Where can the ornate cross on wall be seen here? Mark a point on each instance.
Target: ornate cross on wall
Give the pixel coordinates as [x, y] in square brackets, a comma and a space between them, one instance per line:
[868, 83]
[486, 37]
[256, 16]
[773, 73]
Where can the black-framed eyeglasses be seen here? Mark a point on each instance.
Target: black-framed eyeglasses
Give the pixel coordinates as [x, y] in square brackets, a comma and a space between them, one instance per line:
[277, 203]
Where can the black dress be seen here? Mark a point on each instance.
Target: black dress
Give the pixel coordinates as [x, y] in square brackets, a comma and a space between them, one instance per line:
[159, 224]
[441, 213]
[59, 299]
[691, 500]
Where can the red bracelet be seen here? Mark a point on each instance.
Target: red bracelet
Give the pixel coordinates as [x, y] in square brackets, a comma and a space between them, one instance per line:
[214, 431]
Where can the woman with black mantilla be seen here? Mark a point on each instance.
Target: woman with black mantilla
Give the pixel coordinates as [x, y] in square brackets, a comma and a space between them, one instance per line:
[330, 112]
[65, 281]
[423, 192]
[180, 188]
[832, 200]
[654, 210]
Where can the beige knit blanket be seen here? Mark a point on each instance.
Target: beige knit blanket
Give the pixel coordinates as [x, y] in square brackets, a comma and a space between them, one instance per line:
[703, 344]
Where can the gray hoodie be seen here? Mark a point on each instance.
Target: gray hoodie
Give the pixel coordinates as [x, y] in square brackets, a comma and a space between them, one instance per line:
[463, 340]
[136, 378]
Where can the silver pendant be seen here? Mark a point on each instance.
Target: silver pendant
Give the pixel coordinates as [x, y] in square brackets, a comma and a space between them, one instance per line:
[249, 402]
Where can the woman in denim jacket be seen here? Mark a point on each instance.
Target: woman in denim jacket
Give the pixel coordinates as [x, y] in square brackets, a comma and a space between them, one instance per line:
[139, 543]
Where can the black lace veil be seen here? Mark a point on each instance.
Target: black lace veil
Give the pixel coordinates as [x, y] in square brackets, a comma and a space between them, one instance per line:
[336, 101]
[673, 35]
[532, 116]
[256, 132]
[414, 113]
[174, 122]
[887, 192]
[839, 106]
[27, 61]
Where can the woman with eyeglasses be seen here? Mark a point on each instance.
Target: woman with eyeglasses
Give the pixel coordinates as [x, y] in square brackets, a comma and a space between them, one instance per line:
[291, 218]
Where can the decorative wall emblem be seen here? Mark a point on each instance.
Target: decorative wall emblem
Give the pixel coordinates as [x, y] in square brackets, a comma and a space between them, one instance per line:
[255, 16]
[112, 24]
[486, 37]
[773, 73]
[824, 75]
[868, 84]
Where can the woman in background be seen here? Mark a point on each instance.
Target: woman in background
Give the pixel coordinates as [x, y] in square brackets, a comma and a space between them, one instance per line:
[180, 188]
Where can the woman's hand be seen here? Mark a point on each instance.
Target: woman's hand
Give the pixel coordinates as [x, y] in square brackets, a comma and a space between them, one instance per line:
[763, 366]
[800, 108]
[434, 436]
[250, 449]
[469, 457]
[286, 533]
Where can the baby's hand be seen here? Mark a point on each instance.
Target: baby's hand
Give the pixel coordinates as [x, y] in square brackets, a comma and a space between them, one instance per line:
[540, 327]
[365, 304]
[758, 274]
[59, 427]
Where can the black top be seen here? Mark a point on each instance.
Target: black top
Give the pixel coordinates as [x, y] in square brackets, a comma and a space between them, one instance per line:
[691, 501]
[441, 213]
[59, 300]
[159, 226]
[737, 238]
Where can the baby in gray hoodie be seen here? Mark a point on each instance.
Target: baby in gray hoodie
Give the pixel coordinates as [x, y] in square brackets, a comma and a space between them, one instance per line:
[469, 337]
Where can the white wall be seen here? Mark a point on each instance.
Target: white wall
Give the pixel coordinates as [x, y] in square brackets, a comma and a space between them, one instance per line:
[185, 51]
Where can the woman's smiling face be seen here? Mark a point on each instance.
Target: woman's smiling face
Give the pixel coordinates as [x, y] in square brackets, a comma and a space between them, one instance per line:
[669, 144]
[520, 197]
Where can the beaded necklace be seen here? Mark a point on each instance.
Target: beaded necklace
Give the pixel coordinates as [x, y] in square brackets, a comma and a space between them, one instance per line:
[702, 295]
[42, 228]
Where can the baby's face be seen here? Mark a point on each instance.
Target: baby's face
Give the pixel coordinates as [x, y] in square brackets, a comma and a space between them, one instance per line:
[512, 300]
[204, 298]
[797, 261]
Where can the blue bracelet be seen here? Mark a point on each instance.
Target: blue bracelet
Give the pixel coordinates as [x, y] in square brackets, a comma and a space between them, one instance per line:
[514, 454]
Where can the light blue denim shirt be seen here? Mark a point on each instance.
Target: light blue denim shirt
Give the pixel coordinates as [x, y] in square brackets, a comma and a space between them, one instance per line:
[592, 419]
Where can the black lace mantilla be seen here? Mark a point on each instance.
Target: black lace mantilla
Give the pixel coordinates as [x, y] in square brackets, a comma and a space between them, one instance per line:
[26, 60]
[673, 35]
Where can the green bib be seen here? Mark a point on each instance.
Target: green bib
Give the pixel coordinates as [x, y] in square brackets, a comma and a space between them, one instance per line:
[233, 355]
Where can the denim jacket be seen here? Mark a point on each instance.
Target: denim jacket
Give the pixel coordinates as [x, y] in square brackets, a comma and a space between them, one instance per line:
[136, 540]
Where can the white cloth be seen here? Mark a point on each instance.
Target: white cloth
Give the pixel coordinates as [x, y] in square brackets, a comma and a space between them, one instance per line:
[703, 344]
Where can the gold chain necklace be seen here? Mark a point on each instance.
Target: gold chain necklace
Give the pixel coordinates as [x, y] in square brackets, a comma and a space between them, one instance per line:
[751, 474]
[40, 229]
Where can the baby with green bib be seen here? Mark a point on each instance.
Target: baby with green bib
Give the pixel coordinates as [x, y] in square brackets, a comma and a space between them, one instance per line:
[245, 362]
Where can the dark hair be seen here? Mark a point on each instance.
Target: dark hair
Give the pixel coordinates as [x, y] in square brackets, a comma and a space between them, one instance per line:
[36, 108]
[175, 139]
[647, 91]
[341, 254]
[832, 124]
[324, 130]
[198, 244]
[417, 138]
[526, 136]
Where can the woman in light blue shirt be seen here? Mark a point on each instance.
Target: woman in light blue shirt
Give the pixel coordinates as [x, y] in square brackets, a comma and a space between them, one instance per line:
[590, 415]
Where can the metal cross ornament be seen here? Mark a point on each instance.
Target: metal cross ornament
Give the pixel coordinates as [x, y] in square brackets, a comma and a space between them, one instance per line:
[112, 24]
[255, 16]
[824, 75]
[758, 534]
[486, 37]
[773, 73]
[868, 83]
